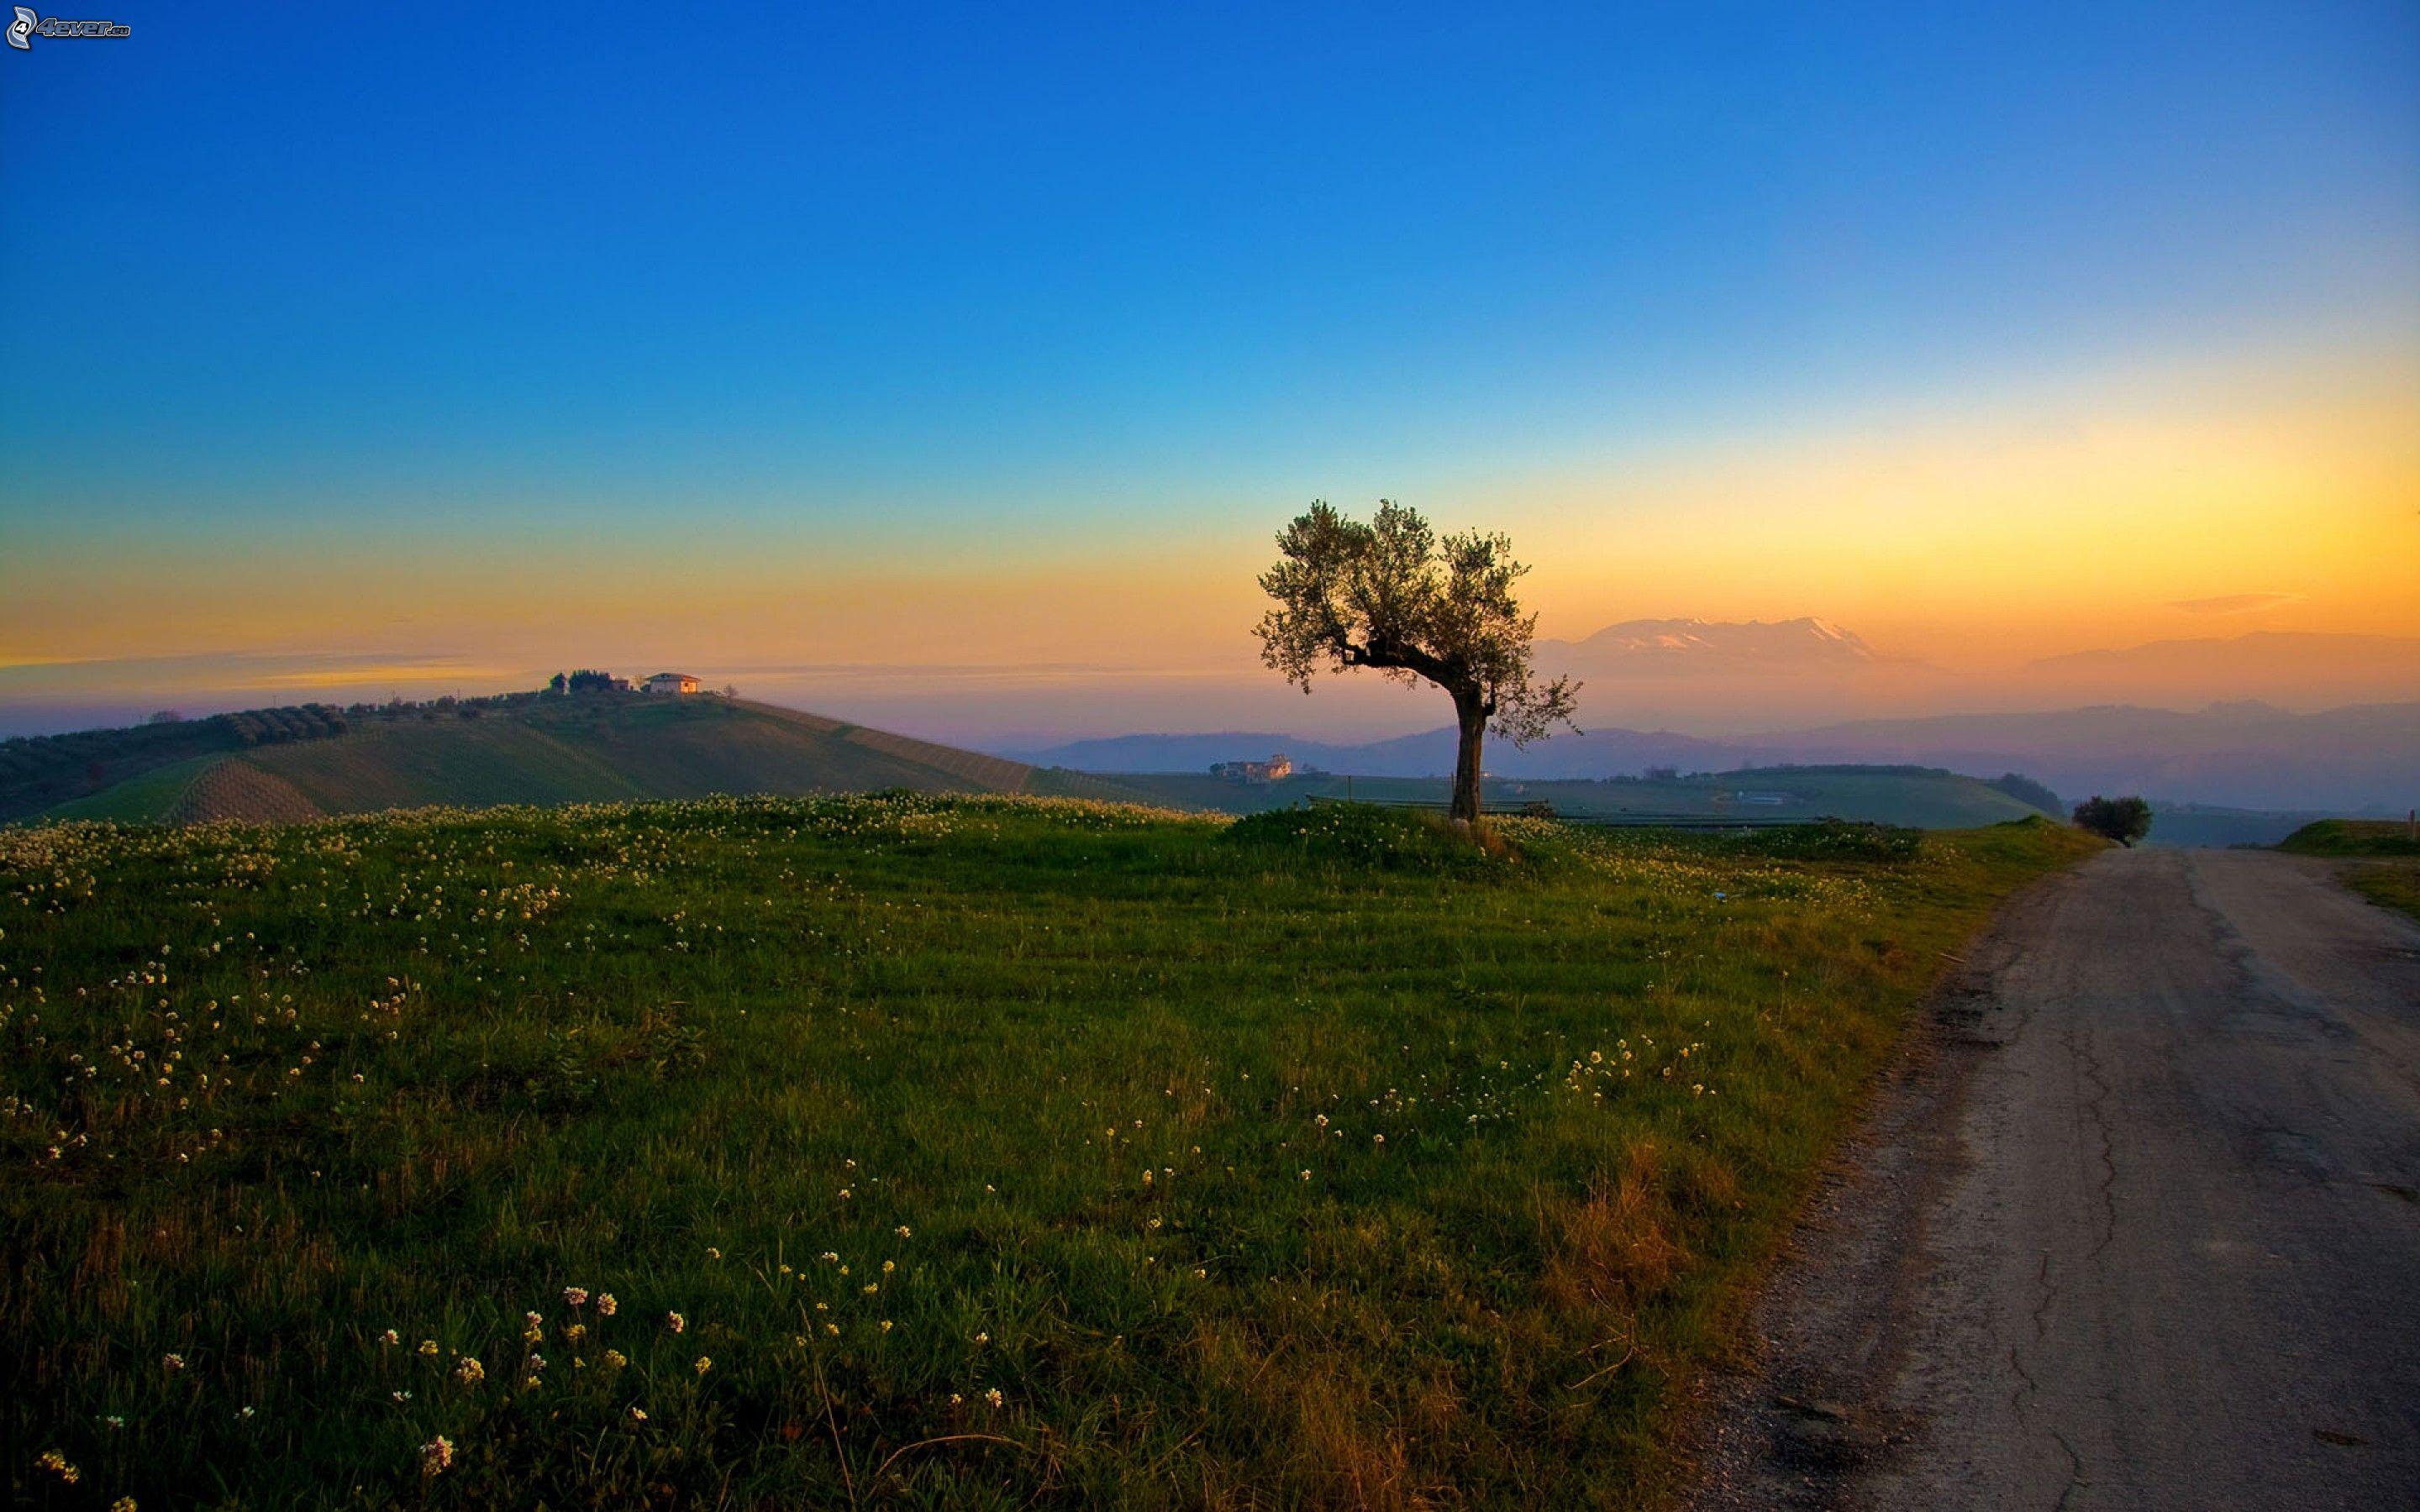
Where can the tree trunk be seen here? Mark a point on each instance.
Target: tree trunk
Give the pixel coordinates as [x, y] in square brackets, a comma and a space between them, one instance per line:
[1465, 764]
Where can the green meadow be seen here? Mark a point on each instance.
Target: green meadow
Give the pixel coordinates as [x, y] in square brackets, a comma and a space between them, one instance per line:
[971, 1152]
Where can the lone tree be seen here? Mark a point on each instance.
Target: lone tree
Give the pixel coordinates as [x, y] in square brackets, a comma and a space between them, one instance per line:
[1390, 595]
[2123, 820]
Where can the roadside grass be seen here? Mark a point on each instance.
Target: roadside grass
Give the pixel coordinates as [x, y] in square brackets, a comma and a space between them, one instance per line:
[2352, 837]
[959, 1151]
[2392, 880]
[2389, 884]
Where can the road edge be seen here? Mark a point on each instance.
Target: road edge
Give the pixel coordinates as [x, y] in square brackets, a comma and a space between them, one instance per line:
[1798, 1419]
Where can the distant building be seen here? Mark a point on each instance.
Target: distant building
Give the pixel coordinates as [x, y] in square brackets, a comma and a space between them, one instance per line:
[669, 683]
[1276, 769]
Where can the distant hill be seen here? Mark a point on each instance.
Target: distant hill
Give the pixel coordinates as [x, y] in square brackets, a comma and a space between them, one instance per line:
[527, 748]
[2246, 755]
[1429, 753]
[2249, 756]
[37, 772]
[1195, 753]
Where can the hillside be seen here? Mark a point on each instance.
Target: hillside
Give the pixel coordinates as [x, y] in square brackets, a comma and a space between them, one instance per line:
[2243, 755]
[43, 772]
[584, 748]
[918, 1150]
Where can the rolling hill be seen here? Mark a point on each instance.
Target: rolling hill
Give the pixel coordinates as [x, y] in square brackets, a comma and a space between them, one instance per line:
[586, 747]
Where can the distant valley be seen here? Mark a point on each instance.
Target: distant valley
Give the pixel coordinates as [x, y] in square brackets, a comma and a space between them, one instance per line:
[2359, 759]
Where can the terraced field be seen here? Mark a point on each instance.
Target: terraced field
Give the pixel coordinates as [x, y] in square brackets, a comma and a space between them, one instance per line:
[586, 749]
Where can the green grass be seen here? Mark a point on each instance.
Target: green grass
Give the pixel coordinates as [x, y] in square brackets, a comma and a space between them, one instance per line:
[2352, 837]
[1317, 1159]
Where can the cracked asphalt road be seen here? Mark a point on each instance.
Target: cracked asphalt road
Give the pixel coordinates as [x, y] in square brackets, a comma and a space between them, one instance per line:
[2137, 1225]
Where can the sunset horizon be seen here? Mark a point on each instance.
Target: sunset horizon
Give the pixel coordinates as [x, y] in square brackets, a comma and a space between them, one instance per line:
[1987, 349]
[1631, 756]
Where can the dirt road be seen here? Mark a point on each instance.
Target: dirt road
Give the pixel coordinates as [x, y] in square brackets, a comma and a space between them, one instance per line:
[2139, 1226]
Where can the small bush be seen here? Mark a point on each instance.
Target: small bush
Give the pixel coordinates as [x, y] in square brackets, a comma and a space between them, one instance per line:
[2123, 820]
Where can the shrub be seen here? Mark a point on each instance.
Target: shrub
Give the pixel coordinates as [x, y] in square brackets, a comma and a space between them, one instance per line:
[1838, 840]
[2123, 820]
[1364, 834]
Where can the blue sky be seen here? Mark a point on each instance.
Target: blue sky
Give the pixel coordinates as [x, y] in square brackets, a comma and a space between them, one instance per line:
[925, 283]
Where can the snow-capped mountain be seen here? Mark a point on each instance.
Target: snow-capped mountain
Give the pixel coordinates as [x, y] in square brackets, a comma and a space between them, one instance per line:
[1708, 645]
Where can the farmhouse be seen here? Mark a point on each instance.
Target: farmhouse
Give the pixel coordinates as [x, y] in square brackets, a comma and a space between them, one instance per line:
[1273, 770]
[669, 683]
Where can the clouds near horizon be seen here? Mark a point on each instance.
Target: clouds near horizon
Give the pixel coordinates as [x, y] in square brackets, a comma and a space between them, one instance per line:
[975, 343]
[2233, 603]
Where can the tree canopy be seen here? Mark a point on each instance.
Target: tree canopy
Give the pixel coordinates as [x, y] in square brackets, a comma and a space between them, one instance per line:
[2123, 820]
[1390, 594]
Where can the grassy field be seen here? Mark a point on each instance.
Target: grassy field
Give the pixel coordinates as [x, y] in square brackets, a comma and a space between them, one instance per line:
[2389, 872]
[966, 1151]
